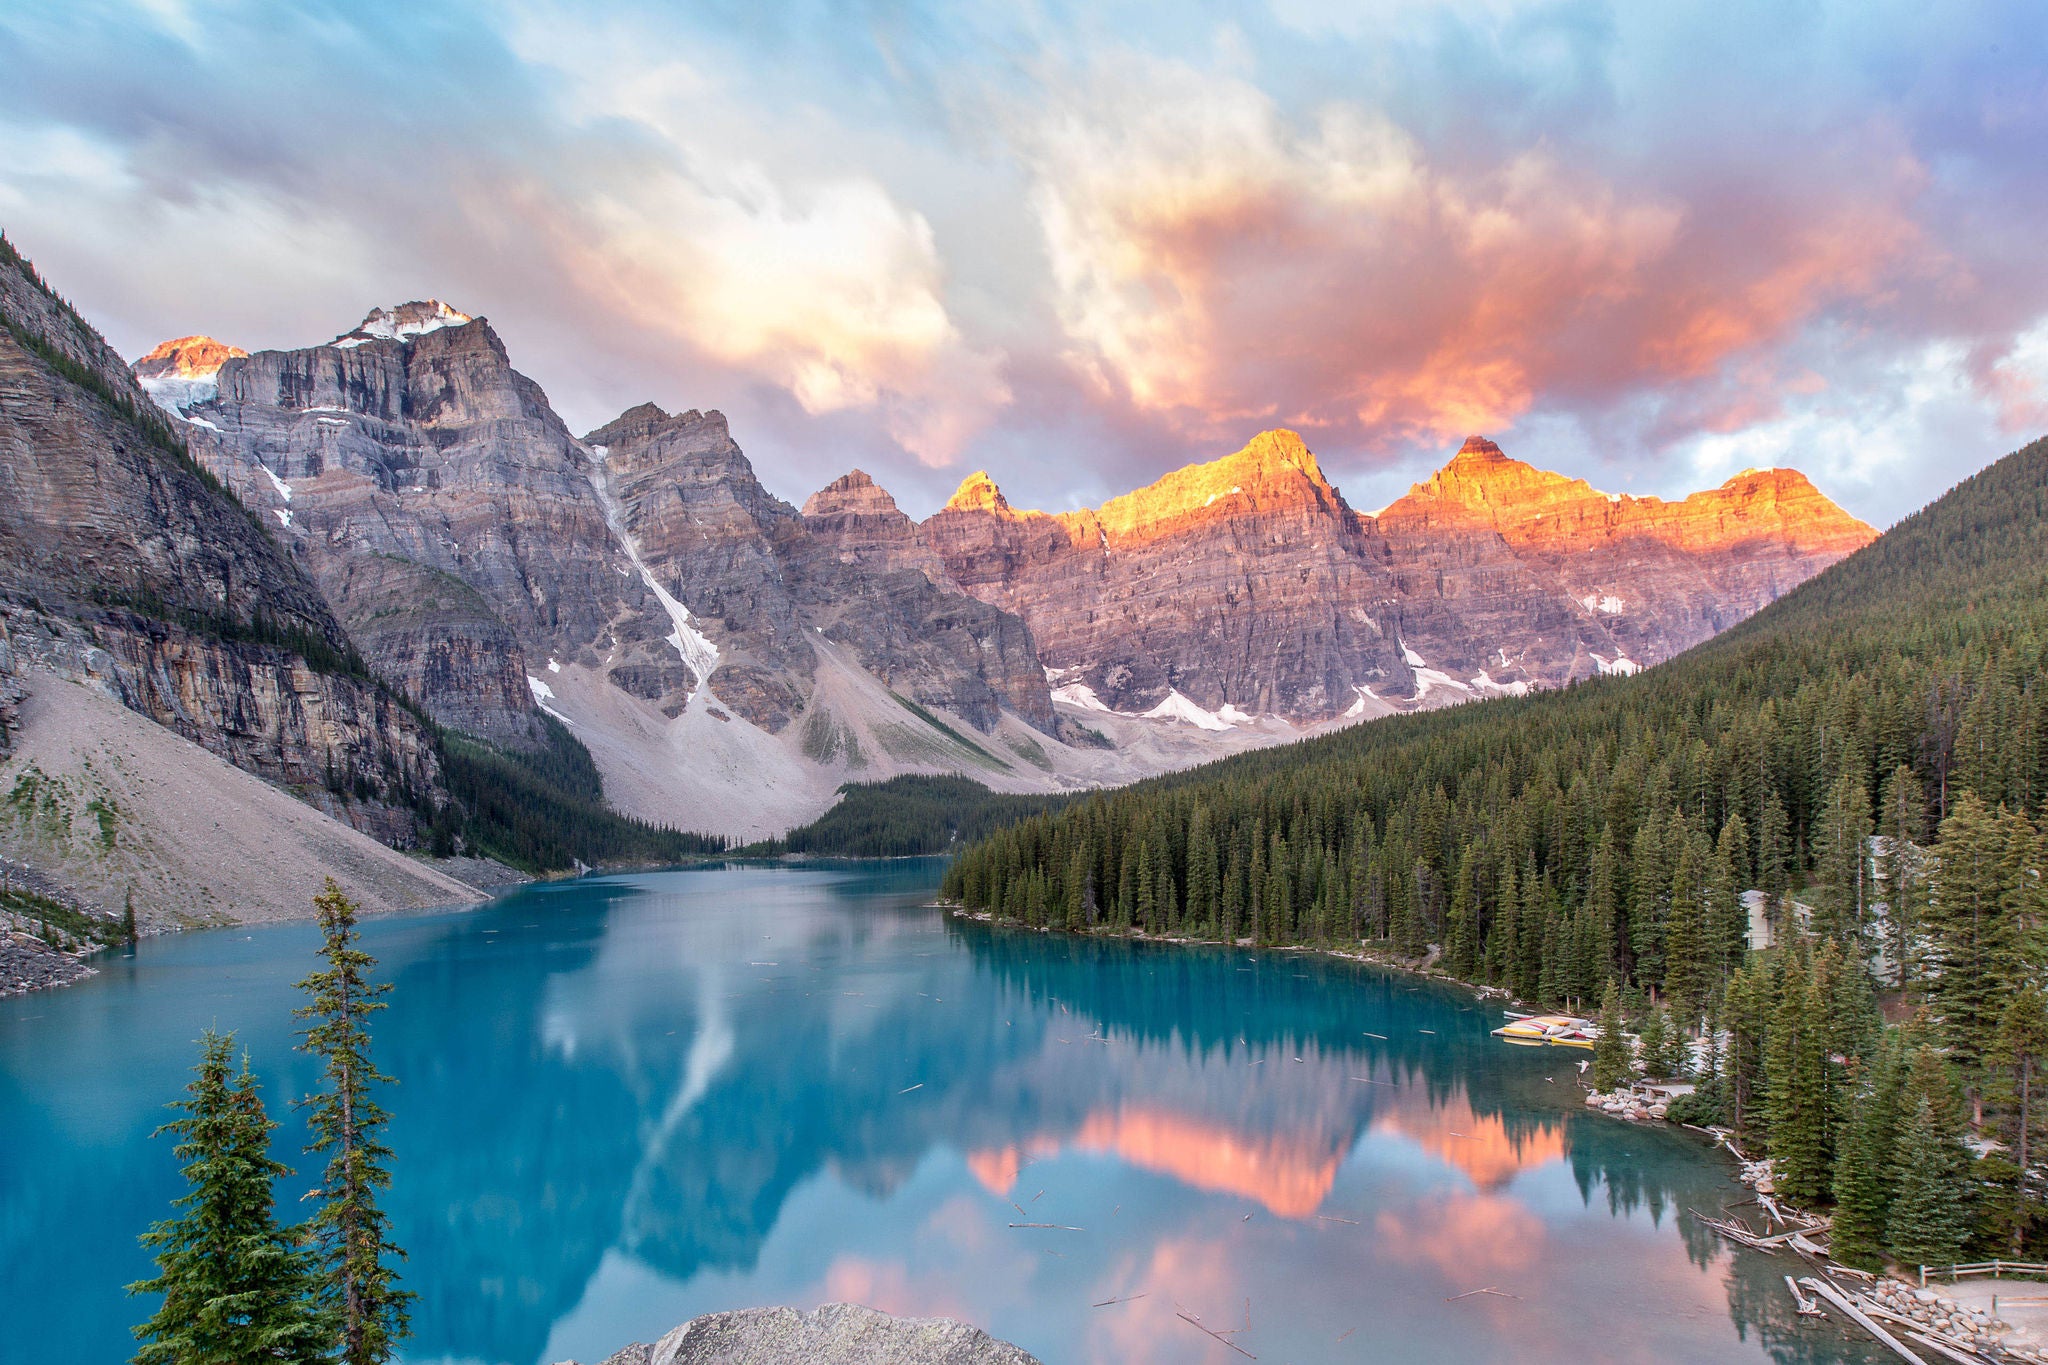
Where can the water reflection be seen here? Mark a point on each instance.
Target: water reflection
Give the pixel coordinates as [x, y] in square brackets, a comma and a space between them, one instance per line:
[629, 1101]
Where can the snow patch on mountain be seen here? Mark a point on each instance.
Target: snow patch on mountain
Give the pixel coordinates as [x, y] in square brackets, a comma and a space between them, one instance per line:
[1081, 695]
[175, 393]
[1609, 603]
[695, 649]
[403, 323]
[284, 490]
[1620, 666]
[1175, 706]
[542, 695]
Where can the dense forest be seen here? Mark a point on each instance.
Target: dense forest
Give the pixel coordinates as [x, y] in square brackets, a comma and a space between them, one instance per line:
[544, 811]
[1870, 754]
[906, 817]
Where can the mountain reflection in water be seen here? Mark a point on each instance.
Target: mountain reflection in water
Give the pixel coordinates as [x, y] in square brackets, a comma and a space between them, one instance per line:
[629, 1100]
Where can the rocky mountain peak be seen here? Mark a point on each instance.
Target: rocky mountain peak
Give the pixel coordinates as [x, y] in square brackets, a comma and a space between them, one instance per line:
[978, 493]
[852, 494]
[180, 373]
[646, 422]
[1273, 467]
[193, 357]
[403, 322]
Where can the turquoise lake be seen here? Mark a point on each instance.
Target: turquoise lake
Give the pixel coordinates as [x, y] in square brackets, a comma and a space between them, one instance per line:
[624, 1101]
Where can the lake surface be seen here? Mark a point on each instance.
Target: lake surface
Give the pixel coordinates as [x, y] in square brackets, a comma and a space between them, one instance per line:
[625, 1101]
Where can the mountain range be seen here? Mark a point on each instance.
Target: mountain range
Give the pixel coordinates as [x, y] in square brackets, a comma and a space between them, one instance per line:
[422, 547]
[729, 659]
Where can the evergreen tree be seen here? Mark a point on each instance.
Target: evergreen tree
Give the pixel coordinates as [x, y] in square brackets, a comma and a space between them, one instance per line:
[1796, 1058]
[1613, 1063]
[1967, 918]
[1655, 1035]
[2018, 1051]
[1864, 1173]
[1839, 845]
[1930, 1217]
[359, 1284]
[234, 1284]
[1900, 823]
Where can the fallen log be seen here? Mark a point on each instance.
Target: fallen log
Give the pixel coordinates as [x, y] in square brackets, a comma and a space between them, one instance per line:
[1860, 1318]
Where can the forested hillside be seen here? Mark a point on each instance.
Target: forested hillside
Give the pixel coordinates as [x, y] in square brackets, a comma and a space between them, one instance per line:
[1602, 836]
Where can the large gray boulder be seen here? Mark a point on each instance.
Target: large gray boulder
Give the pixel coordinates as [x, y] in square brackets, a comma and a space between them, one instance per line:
[836, 1334]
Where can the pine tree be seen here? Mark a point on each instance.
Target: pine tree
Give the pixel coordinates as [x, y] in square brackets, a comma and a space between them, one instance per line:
[1930, 1217]
[360, 1289]
[1688, 967]
[1655, 1035]
[1864, 1175]
[1796, 1060]
[1966, 916]
[1613, 1061]
[1839, 845]
[2018, 1051]
[1900, 822]
[234, 1285]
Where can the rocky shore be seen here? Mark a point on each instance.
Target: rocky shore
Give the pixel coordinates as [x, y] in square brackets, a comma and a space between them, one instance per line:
[29, 964]
[835, 1334]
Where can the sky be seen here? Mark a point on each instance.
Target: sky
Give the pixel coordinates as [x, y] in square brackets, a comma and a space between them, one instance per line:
[1081, 245]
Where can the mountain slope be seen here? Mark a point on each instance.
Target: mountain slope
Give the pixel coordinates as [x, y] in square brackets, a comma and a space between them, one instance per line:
[123, 562]
[1540, 840]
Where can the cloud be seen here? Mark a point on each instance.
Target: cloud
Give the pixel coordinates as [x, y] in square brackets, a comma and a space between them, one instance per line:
[1082, 245]
[836, 298]
[1222, 264]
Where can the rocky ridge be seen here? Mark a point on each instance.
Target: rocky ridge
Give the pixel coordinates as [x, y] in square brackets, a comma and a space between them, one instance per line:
[123, 566]
[635, 584]
[1248, 586]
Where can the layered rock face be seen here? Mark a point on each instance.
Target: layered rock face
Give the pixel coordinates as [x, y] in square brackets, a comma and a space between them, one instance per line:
[442, 507]
[1249, 585]
[1245, 582]
[470, 543]
[1655, 577]
[122, 566]
[759, 582]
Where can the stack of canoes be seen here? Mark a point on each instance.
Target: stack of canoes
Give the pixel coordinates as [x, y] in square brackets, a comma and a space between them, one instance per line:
[1547, 1030]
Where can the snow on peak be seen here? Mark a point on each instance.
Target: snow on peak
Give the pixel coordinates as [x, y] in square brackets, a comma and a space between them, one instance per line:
[1177, 707]
[184, 373]
[403, 323]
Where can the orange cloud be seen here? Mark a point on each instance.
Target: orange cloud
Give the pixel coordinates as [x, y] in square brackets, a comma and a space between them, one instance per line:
[1217, 264]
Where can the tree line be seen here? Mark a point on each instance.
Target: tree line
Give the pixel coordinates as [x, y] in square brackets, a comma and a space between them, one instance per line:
[237, 1286]
[1860, 767]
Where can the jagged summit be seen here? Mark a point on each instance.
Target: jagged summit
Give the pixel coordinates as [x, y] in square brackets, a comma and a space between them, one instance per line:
[644, 421]
[853, 493]
[403, 322]
[978, 493]
[1479, 448]
[181, 373]
[1273, 466]
[193, 357]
